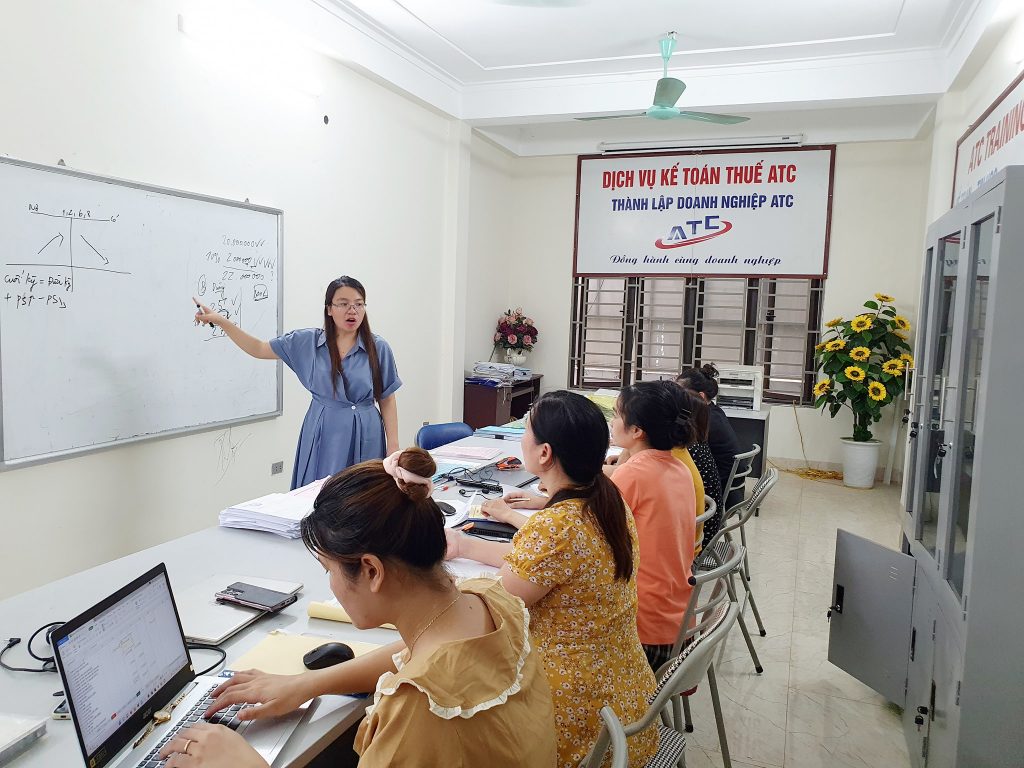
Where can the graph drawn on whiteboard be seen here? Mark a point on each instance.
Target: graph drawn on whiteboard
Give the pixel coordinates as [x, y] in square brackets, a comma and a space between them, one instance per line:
[97, 341]
[50, 280]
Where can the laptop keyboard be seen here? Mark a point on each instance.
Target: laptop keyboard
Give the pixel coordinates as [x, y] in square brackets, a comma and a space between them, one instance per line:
[227, 717]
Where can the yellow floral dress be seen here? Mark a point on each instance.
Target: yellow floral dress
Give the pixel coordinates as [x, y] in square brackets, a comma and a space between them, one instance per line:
[585, 628]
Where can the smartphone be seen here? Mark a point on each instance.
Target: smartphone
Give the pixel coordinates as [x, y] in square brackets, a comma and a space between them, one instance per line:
[61, 711]
[250, 596]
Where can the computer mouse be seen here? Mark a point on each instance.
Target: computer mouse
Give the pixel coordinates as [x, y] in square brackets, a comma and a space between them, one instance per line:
[327, 655]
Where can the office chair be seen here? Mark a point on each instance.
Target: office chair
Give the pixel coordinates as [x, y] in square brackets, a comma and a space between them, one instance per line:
[432, 436]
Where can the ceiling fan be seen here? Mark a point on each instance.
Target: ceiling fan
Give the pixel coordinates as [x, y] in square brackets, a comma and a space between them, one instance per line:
[667, 93]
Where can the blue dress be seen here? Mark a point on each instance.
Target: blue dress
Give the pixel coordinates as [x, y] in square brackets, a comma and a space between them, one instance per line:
[343, 428]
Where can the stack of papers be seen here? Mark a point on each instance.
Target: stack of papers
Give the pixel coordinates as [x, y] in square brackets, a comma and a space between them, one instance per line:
[471, 452]
[278, 513]
[496, 374]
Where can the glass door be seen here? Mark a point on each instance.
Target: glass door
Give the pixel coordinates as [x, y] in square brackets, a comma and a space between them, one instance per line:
[915, 399]
[936, 348]
[969, 364]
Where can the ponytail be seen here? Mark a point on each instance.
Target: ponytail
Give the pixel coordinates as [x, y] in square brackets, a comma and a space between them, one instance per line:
[577, 432]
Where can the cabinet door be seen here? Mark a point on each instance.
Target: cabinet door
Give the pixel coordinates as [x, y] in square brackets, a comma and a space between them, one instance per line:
[936, 347]
[968, 366]
[916, 725]
[872, 596]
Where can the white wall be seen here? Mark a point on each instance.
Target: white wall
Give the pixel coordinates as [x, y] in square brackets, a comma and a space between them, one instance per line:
[112, 87]
[877, 232]
[993, 65]
[492, 226]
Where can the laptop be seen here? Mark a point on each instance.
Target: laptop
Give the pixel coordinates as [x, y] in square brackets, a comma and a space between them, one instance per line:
[124, 659]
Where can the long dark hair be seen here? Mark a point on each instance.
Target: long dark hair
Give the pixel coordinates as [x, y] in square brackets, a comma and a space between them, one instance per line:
[660, 409]
[703, 379]
[577, 432]
[698, 408]
[362, 510]
[331, 330]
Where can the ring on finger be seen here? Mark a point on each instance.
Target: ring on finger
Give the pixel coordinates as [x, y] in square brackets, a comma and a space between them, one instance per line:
[188, 743]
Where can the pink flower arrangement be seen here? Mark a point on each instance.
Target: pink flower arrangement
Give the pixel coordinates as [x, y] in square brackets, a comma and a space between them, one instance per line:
[515, 330]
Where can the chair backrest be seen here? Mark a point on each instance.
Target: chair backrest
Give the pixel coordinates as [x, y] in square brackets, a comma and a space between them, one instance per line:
[432, 436]
[742, 466]
[709, 510]
[699, 615]
[739, 514]
[691, 664]
[684, 672]
[614, 733]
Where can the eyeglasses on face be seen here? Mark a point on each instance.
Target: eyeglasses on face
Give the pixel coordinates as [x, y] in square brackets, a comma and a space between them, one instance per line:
[344, 306]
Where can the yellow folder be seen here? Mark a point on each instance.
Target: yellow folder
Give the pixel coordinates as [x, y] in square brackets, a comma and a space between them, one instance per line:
[280, 653]
[332, 610]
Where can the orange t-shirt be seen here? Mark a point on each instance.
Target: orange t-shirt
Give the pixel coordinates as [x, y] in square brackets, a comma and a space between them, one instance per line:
[659, 490]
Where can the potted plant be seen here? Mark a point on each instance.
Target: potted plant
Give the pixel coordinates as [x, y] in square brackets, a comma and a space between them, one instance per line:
[516, 334]
[863, 363]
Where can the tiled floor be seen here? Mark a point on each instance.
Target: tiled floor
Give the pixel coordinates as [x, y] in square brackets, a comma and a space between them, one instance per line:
[802, 712]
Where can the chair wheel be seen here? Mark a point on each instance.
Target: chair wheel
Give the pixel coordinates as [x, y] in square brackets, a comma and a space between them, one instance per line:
[764, 633]
[759, 669]
[688, 728]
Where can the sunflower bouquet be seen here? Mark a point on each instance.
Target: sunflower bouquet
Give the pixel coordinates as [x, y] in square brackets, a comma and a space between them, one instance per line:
[863, 362]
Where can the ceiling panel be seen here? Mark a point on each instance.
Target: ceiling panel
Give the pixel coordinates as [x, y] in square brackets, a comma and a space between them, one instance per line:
[498, 35]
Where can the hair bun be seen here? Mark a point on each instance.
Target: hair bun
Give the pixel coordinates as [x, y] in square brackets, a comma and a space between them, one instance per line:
[421, 463]
[709, 370]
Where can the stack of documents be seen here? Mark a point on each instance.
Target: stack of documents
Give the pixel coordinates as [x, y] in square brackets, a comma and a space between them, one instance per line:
[278, 513]
[497, 374]
[474, 453]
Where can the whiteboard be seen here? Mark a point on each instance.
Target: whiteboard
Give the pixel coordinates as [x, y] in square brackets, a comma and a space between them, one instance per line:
[97, 341]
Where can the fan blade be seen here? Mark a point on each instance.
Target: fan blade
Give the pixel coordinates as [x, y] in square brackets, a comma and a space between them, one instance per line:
[668, 92]
[610, 117]
[708, 117]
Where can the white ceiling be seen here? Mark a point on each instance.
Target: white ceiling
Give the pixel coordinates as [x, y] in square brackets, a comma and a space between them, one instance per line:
[521, 70]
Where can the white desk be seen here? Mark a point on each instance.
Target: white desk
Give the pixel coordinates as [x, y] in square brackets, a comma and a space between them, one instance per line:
[189, 560]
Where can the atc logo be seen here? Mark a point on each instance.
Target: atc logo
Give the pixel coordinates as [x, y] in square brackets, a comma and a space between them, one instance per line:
[693, 232]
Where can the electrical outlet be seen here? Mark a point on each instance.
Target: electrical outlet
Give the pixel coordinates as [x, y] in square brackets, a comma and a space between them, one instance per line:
[277, 468]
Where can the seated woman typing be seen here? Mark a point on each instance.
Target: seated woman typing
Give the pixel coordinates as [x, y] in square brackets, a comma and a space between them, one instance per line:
[650, 419]
[462, 688]
[574, 564]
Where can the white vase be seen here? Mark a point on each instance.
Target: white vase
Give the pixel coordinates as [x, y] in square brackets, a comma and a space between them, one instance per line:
[860, 460]
[516, 356]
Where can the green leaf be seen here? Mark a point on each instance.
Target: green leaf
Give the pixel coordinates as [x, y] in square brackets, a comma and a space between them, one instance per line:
[834, 409]
[871, 304]
[821, 401]
[889, 311]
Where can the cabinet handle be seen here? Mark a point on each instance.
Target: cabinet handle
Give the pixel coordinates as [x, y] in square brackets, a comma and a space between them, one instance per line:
[940, 454]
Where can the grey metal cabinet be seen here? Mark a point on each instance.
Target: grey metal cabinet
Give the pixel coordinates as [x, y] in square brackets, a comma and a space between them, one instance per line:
[961, 654]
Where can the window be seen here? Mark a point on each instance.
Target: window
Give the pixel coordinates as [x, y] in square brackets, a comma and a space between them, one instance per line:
[629, 329]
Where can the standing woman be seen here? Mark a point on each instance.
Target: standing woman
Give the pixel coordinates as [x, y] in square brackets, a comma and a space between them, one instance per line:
[347, 368]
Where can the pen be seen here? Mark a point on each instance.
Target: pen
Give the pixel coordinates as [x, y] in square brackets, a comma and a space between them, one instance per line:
[201, 309]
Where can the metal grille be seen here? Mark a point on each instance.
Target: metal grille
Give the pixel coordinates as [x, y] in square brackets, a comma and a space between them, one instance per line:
[631, 329]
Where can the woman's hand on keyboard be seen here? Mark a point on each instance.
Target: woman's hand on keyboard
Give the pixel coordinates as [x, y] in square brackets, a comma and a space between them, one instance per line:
[271, 695]
[210, 746]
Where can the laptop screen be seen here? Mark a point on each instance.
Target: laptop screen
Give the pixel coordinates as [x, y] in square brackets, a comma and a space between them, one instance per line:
[116, 658]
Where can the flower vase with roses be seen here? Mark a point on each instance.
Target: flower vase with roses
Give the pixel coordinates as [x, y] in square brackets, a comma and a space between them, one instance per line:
[516, 334]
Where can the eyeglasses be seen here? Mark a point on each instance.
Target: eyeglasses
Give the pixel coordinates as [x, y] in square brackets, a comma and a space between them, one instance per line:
[344, 306]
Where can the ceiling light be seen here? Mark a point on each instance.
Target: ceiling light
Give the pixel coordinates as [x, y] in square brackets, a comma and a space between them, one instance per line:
[619, 147]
